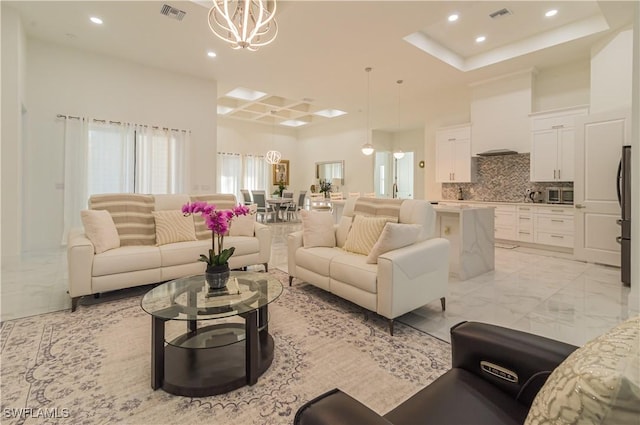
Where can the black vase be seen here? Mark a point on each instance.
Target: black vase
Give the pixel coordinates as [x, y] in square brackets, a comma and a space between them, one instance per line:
[217, 276]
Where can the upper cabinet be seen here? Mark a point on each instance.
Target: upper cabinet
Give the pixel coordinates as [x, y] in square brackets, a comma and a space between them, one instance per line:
[553, 144]
[453, 155]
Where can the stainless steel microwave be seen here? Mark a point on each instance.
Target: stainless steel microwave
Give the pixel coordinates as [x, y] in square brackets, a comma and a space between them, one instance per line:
[559, 195]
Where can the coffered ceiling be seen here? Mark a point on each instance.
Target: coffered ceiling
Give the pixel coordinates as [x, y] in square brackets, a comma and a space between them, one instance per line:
[318, 59]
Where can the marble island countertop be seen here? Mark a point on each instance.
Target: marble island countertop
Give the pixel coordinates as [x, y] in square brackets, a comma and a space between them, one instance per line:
[506, 203]
[456, 209]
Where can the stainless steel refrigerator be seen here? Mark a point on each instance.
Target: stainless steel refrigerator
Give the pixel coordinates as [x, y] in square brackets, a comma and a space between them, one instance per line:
[624, 199]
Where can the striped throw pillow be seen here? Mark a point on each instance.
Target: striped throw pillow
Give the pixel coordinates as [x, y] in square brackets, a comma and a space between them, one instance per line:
[364, 233]
[173, 226]
[222, 201]
[132, 215]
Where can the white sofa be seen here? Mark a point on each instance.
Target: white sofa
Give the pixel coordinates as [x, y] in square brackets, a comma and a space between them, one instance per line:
[403, 280]
[129, 266]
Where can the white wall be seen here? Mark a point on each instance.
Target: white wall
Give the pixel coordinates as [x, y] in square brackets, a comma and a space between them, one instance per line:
[13, 94]
[562, 86]
[245, 137]
[611, 73]
[500, 113]
[73, 82]
[340, 139]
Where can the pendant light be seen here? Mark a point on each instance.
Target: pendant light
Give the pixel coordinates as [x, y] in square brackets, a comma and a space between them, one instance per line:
[398, 154]
[273, 157]
[367, 148]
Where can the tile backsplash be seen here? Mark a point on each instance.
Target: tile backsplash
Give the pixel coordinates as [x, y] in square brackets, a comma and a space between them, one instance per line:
[500, 178]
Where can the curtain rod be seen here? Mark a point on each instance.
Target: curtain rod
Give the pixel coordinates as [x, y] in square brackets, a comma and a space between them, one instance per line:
[240, 154]
[71, 117]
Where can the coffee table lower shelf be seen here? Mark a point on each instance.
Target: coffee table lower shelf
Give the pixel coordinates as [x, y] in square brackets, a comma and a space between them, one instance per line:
[209, 371]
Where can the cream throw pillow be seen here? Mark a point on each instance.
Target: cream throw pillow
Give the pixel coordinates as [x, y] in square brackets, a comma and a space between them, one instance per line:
[599, 383]
[100, 229]
[317, 229]
[172, 226]
[364, 233]
[343, 230]
[394, 236]
[242, 225]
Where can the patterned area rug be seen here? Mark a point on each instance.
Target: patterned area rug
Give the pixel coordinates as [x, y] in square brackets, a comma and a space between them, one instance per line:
[93, 366]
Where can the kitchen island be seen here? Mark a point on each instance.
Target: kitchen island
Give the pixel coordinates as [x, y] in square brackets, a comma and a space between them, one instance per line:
[470, 231]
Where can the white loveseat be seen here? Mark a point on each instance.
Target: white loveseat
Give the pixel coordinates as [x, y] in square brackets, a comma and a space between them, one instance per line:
[135, 265]
[402, 280]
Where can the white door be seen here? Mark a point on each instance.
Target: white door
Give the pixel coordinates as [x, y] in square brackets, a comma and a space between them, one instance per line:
[599, 139]
[405, 176]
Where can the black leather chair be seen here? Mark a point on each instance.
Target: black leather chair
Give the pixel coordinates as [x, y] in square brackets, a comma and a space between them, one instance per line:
[496, 373]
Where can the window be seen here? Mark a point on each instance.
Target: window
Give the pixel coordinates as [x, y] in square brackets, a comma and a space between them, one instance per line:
[237, 172]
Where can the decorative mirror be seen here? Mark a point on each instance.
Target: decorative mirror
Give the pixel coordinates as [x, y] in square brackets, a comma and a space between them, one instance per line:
[330, 170]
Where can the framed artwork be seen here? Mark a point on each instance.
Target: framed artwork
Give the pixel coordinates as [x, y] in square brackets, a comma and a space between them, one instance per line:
[281, 172]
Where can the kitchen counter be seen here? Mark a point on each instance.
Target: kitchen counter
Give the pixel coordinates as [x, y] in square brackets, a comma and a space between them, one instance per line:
[543, 204]
[470, 231]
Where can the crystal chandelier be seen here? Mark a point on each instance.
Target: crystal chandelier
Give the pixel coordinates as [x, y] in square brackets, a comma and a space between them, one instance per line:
[367, 148]
[245, 24]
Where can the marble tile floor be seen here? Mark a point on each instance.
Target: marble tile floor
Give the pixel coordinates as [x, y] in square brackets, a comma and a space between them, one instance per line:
[531, 290]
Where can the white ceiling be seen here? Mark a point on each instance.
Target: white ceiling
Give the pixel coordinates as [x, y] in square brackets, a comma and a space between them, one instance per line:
[323, 47]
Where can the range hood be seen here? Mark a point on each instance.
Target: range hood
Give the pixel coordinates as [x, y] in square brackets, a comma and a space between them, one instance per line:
[497, 152]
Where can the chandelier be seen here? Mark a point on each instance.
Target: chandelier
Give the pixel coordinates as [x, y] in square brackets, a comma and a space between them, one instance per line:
[273, 157]
[245, 24]
[367, 148]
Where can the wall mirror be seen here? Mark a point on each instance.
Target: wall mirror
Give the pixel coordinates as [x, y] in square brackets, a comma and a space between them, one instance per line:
[329, 170]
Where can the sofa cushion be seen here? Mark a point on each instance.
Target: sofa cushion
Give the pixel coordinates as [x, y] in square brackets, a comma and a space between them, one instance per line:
[354, 270]
[132, 215]
[126, 259]
[317, 229]
[176, 254]
[378, 207]
[317, 259]
[599, 383]
[364, 233]
[343, 230]
[244, 245]
[173, 226]
[393, 236]
[100, 229]
[242, 225]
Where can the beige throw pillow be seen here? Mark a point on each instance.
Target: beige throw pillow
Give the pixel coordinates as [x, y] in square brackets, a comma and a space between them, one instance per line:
[394, 236]
[100, 229]
[599, 383]
[242, 225]
[317, 229]
[172, 226]
[364, 233]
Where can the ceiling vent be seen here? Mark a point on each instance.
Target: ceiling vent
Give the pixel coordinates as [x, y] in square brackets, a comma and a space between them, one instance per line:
[172, 12]
[500, 13]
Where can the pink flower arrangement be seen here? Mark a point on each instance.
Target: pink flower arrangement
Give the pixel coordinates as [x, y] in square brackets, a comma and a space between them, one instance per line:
[219, 222]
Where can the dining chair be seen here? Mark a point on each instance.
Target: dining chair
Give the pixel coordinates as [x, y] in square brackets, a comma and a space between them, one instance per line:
[369, 195]
[319, 203]
[246, 195]
[354, 194]
[260, 199]
[284, 208]
[294, 208]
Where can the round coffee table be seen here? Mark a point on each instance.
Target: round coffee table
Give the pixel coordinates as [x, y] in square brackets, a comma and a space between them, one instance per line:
[213, 356]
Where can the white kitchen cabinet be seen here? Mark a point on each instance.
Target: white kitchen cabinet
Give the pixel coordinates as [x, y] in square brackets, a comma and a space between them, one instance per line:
[504, 220]
[553, 144]
[554, 226]
[524, 226]
[454, 163]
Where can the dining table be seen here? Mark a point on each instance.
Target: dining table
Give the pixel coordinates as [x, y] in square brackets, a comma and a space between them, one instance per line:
[277, 203]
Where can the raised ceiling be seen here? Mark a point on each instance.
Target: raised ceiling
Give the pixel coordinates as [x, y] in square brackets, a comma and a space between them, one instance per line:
[319, 57]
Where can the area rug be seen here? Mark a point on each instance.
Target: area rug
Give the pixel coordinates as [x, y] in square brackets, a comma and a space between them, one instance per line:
[93, 366]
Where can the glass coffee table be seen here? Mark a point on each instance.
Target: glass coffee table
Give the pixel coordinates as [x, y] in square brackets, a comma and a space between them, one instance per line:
[213, 356]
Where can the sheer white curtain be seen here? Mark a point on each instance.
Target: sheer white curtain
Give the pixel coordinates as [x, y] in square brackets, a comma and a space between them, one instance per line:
[255, 173]
[76, 192]
[110, 158]
[161, 160]
[230, 173]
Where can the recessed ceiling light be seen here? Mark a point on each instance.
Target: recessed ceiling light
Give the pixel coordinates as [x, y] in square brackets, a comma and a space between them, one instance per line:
[480, 39]
[224, 110]
[293, 123]
[330, 113]
[96, 20]
[211, 54]
[550, 13]
[453, 17]
[246, 94]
